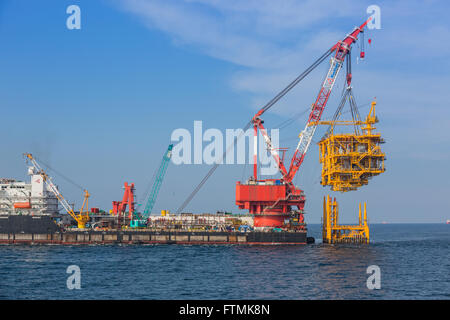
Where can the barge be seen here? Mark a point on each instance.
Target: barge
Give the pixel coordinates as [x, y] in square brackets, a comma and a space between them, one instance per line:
[29, 214]
[43, 230]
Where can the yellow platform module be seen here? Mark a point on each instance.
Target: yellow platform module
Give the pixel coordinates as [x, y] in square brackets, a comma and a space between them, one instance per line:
[332, 232]
[349, 160]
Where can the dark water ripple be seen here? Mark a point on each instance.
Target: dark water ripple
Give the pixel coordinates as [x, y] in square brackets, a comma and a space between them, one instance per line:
[414, 262]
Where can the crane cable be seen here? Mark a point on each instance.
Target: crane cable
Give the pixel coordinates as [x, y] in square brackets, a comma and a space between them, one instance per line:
[60, 174]
[340, 113]
[346, 93]
[146, 192]
[296, 81]
[291, 120]
[274, 100]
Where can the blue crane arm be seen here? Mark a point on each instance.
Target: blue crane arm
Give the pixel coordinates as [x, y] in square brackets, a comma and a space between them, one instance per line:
[158, 181]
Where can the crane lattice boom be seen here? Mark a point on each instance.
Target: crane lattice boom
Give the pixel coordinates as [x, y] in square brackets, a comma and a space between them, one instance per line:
[271, 201]
[342, 48]
[81, 218]
[158, 181]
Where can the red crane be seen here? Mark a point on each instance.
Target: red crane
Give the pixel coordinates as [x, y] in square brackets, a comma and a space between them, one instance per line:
[271, 200]
[119, 207]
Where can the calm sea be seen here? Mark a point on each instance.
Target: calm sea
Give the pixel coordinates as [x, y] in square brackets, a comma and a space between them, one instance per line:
[414, 261]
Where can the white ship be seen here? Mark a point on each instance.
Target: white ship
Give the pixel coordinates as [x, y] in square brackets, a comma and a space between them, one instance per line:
[21, 198]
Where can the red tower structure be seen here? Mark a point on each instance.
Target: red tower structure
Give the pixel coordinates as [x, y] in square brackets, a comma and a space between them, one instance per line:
[273, 201]
[119, 207]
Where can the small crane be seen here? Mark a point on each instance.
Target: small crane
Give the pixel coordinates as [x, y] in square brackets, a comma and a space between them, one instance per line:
[83, 216]
[151, 198]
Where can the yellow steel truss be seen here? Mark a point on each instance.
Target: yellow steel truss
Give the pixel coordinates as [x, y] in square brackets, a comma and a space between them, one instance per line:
[332, 232]
[349, 160]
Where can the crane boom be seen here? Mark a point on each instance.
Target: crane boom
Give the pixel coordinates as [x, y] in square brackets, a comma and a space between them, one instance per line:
[158, 181]
[272, 201]
[341, 49]
[81, 218]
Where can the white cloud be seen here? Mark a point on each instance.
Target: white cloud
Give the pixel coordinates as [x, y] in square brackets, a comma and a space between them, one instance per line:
[274, 41]
[247, 33]
[273, 17]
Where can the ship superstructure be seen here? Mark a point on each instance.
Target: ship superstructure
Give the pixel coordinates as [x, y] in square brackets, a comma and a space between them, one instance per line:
[22, 198]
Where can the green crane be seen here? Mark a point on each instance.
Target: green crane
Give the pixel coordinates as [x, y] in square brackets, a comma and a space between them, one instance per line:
[151, 198]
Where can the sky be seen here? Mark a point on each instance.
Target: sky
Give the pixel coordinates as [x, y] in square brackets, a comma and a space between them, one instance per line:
[99, 104]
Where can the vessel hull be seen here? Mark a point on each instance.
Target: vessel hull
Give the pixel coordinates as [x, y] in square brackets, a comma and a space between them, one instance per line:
[29, 230]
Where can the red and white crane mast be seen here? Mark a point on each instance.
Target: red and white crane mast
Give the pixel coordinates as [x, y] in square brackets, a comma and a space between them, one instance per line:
[271, 200]
[341, 49]
[272, 203]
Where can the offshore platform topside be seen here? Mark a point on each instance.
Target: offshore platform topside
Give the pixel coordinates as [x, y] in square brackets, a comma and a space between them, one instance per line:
[275, 206]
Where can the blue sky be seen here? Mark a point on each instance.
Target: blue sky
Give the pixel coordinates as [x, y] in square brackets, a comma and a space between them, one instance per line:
[99, 104]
